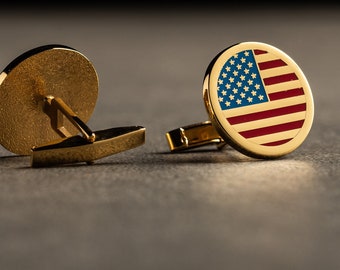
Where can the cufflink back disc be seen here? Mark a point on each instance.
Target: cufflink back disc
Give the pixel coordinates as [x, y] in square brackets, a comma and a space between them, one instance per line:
[258, 101]
[38, 90]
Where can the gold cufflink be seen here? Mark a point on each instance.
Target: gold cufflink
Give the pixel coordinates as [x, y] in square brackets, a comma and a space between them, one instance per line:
[258, 101]
[38, 90]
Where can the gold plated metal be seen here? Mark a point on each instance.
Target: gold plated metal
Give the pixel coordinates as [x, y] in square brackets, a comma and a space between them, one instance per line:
[193, 136]
[57, 109]
[42, 87]
[258, 101]
[78, 149]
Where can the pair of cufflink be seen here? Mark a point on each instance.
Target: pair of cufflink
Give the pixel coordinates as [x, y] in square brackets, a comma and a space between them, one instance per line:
[257, 98]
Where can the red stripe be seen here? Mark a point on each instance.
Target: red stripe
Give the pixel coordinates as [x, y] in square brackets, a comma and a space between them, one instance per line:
[271, 64]
[266, 114]
[277, 142]
[280, 78]
[271, 129]
[286, 94]
[257, 52]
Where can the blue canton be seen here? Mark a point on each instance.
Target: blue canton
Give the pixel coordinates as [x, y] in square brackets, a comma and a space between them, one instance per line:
[239, 83]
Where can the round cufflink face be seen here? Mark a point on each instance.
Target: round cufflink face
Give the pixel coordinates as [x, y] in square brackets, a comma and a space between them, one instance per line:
[47, 70]
[258, 99]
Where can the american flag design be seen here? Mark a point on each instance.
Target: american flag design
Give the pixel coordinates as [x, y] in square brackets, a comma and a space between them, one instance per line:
[263, 97]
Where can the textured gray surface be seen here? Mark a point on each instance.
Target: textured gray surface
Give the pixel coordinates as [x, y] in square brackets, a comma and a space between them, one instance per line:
[146, 208]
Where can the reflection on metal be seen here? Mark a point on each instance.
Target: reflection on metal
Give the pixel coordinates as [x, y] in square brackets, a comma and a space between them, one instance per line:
[193, 136]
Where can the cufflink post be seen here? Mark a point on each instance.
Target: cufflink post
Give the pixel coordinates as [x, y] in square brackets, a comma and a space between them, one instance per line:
[57, 106]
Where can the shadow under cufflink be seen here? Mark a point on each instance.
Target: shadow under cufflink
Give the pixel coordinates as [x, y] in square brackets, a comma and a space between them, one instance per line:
[38, 90]
[258, 101]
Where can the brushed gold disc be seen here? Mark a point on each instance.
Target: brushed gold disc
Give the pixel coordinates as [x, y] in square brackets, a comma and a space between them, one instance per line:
[55, 70]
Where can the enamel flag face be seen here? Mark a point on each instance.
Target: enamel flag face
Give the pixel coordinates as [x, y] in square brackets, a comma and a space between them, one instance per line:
[259, 99]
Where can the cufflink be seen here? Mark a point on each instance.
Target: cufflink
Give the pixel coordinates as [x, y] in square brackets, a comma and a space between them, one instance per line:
[47, 95]
[258, 101]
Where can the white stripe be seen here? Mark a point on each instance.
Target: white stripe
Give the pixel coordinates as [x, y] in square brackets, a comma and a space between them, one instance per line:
[270, 121]
[264, 57]
[275, 136]
[283, 86]
[264, 106]
[272, 72]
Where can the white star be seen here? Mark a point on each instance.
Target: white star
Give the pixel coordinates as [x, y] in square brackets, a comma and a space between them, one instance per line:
[224, 75]
[260, 97]
[238, 101]
[250, 64]
[239, 84]
[231, 97]
[227, 68]
[235, 91]
[250, 99]
[246, 53]
[250, 82]
[232, 62]
[235, 73]
[257, 86]
[246, 88]
[242, 77]
[224, 92]
[227, 86]
[231, 79]
[246, 71]
[253, 75]
[220, 99]
[243, 95]
[220, 81]
[227, 103]
[253, 93]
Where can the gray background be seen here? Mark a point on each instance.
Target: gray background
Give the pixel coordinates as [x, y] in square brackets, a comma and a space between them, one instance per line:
[146, 208]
